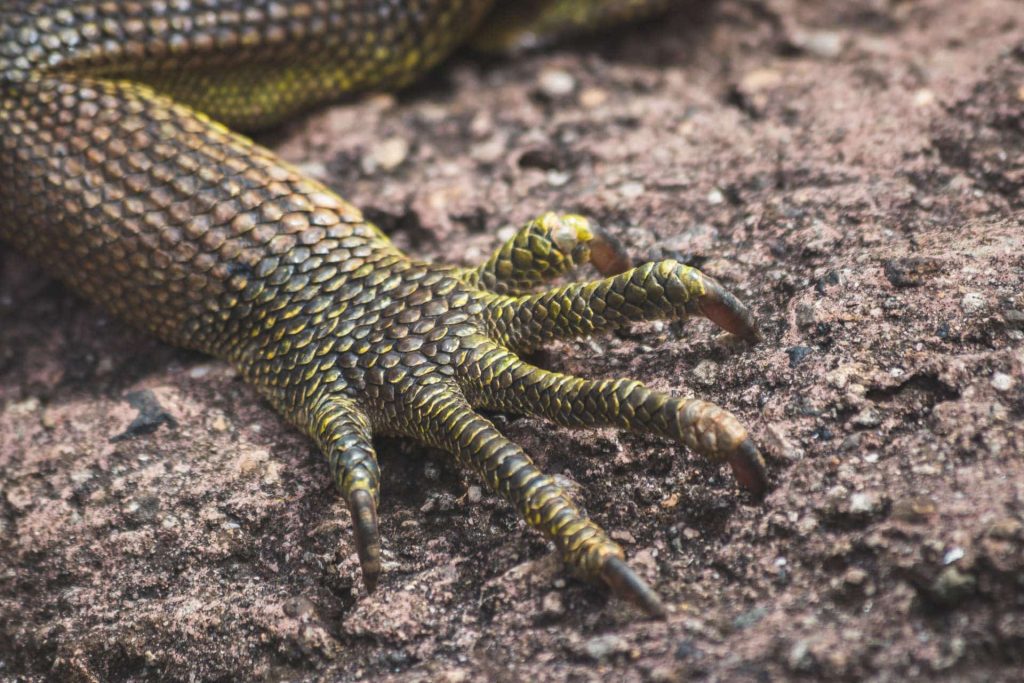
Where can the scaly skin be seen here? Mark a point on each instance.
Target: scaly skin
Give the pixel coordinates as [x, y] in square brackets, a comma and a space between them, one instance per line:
[113, 180]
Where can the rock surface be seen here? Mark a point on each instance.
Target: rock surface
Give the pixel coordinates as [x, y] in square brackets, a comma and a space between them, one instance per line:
[854, 170]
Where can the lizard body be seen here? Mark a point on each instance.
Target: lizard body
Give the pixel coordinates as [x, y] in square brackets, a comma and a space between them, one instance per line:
[120, 174]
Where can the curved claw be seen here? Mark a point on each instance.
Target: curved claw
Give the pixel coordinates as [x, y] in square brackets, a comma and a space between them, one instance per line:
[367, 535]
[625, 584]
[749, 468]
[607, 253]
[721, 307]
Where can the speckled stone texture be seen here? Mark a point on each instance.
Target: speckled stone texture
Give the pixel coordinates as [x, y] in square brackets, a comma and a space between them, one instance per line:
[854, 170]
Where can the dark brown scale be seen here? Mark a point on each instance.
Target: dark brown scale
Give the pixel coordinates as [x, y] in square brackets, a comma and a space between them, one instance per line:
[112, 179]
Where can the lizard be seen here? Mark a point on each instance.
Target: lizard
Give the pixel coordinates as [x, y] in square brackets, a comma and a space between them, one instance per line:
[122, 172]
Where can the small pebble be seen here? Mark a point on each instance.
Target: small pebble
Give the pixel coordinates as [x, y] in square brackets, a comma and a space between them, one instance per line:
[924, 97]
[557, 178]
[488, 151]
[556, 83]
[760, 79]
[781, 445]
[552, 605]
[805, 317]
[1014, 318]
[800, 658]
[855, 576]
[952, 586]
[199, 371]
[603, 647]
[867, 418]
[797, 354]
[671, 501]
[482, 125]
[250, 460]
[863, 503]
[826, 44]
[912, 271]
[1001, 381]
[632, 190]
[219, 423]
[81, 476]
[623, 537]
[852, 442]
[972, 302]
[664, 674]
[705, 372]
[952, 555]
[48, 418]
[455, 676]
[749, 618]
[593, 97]
[386, 156]
[916, 509]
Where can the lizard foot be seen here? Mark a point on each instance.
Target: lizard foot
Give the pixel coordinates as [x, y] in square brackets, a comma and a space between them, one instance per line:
[441, 343]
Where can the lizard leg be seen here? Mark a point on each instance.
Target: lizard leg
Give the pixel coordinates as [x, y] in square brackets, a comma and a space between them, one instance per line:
[449, 422]
[545, 248]
[498, 380]
[656, 290]
[342, 430]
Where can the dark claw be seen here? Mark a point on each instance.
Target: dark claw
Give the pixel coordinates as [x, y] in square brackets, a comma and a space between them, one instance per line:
[627, 585]
[728, 312]
[749, 468]
[364, 521]
[607, 254]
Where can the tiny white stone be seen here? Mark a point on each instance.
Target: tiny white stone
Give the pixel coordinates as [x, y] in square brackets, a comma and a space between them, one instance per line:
[199, 371]
[1001, 381]
[632, 190]
[924, 97]
[556, 82]
[558, 178]
[863, 503]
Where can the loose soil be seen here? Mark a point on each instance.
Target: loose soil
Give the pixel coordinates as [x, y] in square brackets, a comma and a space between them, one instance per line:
[852, 169]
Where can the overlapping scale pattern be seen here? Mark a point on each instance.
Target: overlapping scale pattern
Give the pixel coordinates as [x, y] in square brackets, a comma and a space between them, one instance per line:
[113, 179]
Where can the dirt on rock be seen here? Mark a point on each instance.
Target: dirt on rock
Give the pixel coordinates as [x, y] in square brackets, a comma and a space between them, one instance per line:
[852, 170]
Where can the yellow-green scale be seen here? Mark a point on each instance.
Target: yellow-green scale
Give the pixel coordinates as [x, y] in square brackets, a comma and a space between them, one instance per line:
[119, 174]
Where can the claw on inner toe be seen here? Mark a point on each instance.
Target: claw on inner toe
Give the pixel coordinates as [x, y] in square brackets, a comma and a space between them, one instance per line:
[625, 584]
